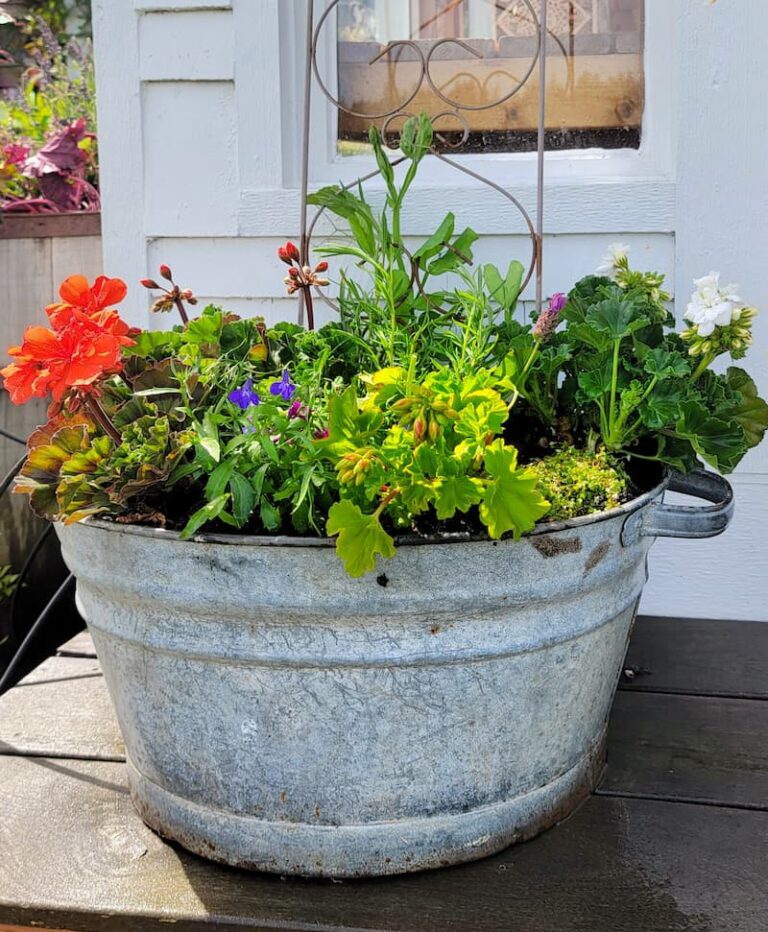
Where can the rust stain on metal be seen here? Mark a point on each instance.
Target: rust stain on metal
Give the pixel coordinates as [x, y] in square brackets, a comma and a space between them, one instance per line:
[599, 553]
[554, 546]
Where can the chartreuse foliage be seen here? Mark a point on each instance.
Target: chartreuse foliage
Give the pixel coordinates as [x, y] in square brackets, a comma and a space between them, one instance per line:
[409, 447]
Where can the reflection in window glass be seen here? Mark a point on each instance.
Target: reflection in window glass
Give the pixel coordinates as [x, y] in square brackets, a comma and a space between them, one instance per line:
[595, 87]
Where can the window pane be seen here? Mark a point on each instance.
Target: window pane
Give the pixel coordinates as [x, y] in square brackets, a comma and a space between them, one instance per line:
[595, 87]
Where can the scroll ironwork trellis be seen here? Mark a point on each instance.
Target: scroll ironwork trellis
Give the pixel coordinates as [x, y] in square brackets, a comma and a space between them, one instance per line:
[313, 76]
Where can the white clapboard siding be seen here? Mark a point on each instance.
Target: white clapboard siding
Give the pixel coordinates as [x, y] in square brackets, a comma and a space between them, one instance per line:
[201, 161]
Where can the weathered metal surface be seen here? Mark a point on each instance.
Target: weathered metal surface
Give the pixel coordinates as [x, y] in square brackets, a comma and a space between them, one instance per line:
[281, 716]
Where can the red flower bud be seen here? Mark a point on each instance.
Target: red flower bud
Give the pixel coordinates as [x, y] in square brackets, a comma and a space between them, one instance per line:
[149, 283]
[321, 266]
[293, 272]
[165, 271]
[288, 253]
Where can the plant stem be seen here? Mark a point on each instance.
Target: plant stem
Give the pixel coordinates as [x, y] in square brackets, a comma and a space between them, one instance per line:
[614, 383]
[182, 310]
[705, 363]
[393, 493]
[520, 385]
[101, 417]
[310, 307]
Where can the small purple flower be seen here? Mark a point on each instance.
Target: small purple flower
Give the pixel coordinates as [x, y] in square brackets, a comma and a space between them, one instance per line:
[244, 396]
[549, 318]
[321, 434]
[285, 388]
[558, 301]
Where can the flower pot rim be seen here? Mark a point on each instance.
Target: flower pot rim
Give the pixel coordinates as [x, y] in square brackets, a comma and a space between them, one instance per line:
[404, 540]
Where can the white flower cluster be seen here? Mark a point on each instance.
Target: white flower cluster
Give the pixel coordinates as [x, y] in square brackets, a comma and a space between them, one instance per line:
[613, 260]
[712, 306]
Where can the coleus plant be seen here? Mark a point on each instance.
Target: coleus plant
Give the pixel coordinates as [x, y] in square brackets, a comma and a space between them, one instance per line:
[425, 408]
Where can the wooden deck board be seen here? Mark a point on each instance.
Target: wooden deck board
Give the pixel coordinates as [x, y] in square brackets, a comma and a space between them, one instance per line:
[695, 657]
[689, 748]
[62, 709]
[616, 865]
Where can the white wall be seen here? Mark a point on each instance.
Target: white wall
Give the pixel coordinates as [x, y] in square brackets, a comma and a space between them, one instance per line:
[199, 118]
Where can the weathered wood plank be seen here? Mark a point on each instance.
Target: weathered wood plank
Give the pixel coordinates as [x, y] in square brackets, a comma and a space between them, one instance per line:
[25, 277]
[62, 709]
[29, 226]
[689, 748]
[75, 256]
[697, 657]
[73, 851]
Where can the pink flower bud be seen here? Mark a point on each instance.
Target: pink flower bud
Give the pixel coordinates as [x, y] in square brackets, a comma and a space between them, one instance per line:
[321, 266]
[165, 271]
[149, 283]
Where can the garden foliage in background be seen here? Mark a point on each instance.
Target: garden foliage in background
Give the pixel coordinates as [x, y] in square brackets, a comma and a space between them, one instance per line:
[48, 151]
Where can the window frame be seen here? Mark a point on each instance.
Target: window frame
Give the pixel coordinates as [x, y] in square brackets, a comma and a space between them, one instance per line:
[653, 159]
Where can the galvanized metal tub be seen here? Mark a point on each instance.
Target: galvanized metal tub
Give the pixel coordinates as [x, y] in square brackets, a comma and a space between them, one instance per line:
[283, 717]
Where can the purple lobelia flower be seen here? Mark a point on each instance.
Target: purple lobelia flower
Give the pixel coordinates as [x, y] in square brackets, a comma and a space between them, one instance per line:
[549, 318]
[244, 396]
[285, 388]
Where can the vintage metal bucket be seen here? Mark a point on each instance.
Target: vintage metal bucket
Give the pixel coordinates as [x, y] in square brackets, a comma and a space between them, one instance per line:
[283, 717]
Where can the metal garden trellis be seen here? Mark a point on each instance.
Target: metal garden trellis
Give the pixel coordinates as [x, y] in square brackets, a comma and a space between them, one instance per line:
[454, 108]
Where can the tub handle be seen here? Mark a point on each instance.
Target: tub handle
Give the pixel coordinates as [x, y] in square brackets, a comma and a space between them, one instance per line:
[660, 520]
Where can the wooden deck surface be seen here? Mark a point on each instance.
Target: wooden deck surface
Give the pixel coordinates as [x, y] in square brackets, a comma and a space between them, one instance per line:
[674, 840]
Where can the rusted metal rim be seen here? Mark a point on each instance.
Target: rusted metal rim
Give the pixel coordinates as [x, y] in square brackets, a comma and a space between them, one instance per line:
[404, 540]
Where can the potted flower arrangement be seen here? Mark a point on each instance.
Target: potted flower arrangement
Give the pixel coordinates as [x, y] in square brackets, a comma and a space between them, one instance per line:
[437, 687]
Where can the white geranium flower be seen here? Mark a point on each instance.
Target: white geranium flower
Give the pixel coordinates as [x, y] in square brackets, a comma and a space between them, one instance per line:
[617, 253]
[712, 306]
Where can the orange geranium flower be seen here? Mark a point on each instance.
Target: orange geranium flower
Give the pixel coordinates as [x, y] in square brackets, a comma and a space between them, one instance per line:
[76, 357]
[100, 322]
[77, 294]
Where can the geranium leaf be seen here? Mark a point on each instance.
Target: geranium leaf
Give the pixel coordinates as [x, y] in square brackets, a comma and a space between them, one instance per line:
[360, 537]
[512, 501]
[752, 412]
[615, 318]
[456, 493]
[718, 442]
[664, 364]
